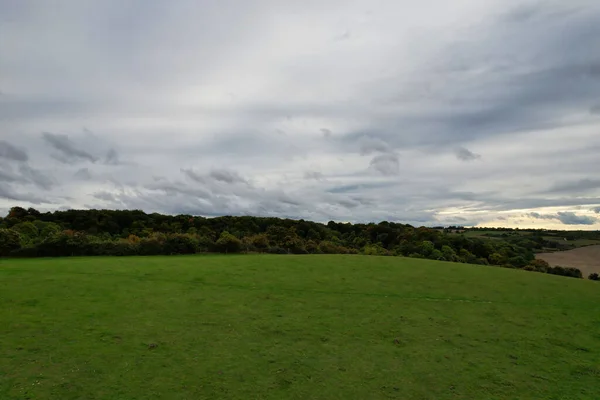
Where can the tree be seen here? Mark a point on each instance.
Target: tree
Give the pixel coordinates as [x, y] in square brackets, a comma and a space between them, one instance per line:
[449, 253]
[436, 255]
[427, 248]
[539, 266]
[496, 259]
[28, 231]
[9, 240]
[227, 243]
[594, 277]
[260, 242]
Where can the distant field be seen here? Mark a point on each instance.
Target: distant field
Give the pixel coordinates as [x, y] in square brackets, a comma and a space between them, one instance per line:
[293, 327]
[587, 259]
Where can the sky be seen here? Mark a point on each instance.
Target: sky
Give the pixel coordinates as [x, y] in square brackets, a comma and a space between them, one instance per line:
[470, 112]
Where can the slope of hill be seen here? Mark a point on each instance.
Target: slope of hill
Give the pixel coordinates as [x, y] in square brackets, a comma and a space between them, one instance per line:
[293, 327]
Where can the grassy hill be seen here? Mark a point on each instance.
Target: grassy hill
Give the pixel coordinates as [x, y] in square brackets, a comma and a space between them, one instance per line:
[293, 327]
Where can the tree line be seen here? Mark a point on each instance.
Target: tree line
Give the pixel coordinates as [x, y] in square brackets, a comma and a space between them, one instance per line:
[30, 233]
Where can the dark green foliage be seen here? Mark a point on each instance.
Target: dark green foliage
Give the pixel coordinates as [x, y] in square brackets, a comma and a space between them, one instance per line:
[542, 266]
[594, 277]
[133, 232]
[10, 240]
[228, 243]
[538, 266]
[565, 271]
[277, 250]
[181, 244]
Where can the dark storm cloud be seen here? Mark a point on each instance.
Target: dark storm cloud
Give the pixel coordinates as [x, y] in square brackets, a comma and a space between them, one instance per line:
[37, 177]
[8, 176]
[112, 157]
[570, 218]
[68, 151]
[360, 187]
[465, 154]
[106, 196]
[11, 152]
[227, 176]
[83, 174]
[7, 192]
[316, 175]
[215, 175]
[386, 164]
[193, 175]
[540, 216]
[565, 217]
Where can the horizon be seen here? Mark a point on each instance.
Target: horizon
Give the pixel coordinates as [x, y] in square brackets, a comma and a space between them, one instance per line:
[475, 113]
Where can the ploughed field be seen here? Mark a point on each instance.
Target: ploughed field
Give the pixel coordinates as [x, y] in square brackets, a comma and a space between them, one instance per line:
[293, 327]
[587, 259]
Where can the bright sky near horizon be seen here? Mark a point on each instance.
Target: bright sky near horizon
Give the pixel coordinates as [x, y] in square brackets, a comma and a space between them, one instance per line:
[471, 112]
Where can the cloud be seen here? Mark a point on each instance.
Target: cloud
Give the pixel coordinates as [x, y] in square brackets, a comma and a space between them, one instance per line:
[343, 36]
[83, 174]
[8, 176]
[570, 218]
[578, 186]
[596, 210]
[316, 175]
[566, 217]
[540, 216]
[112, 157]
[517, 85]
[7, 192]
[37, 177]
[227, 176]
[465, 154]
[68, 152]
[106, 196]
[326, 132]
[386, 164]
[370, 145]
[215, 175]
[11, 152]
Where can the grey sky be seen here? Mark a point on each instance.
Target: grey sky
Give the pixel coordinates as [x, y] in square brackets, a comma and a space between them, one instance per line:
[422, 112]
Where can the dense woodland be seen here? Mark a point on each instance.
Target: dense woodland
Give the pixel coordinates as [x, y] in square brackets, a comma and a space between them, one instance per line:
[30, 233]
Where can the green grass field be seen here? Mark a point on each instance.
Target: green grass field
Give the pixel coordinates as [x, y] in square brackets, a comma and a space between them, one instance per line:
[293, 327]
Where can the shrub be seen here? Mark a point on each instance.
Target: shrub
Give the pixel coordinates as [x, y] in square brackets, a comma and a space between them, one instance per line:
[123, 248]
[228, 243]
[180, 244]
[30, 251]
[416, 255]
[327, 247]
[374, 250]
[277, 250]
[594, 277]
[565, 271]
[151, 246]
[539, 266]
[205, 244]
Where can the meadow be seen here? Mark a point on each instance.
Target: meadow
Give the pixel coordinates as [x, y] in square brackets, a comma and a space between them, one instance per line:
[293, 327]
